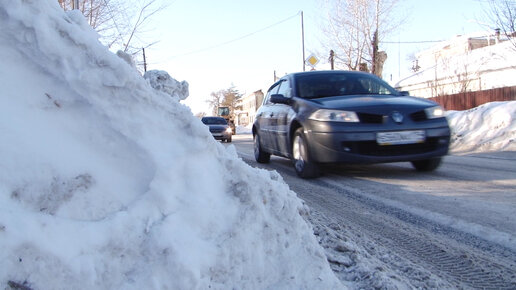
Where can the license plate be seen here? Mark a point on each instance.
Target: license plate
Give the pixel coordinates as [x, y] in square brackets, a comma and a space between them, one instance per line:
[217, 134]
[400, 137]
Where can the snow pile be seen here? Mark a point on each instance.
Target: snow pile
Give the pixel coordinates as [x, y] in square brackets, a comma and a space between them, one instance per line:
[244, 129]
[163, 82]
[127, 58]
[106, 183]
[489, 127]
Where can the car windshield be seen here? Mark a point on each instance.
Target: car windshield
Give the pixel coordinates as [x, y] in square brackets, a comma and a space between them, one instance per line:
[214, 121]
[322, 85]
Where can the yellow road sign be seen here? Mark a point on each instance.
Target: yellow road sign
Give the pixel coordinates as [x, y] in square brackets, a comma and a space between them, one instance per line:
[312, 60]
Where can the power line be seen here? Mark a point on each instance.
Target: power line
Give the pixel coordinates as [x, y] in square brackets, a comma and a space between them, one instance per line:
[235, 39]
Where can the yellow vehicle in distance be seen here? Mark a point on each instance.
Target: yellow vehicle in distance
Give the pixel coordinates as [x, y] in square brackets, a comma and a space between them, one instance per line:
[225, 112]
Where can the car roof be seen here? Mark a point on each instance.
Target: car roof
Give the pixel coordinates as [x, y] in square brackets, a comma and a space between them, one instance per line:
[212, 117]
[316, 72]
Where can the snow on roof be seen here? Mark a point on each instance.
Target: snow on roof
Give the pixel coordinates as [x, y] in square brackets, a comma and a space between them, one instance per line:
[455, 59]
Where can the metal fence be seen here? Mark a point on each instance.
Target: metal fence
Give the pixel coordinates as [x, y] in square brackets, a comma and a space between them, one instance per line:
[468, 100]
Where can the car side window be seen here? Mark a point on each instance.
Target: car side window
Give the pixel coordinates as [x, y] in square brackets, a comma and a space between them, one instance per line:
[374, 87]
[273, 90]
[284, 88]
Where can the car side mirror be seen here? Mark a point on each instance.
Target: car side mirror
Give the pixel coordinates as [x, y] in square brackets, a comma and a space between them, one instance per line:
[404, 93]
[279, 99]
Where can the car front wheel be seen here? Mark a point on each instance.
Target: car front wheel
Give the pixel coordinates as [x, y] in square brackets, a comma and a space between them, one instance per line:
[427, 165]
[303, 164]
[259, 155]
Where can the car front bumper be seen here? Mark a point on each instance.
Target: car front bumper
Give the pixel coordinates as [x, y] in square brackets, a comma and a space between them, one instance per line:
[362, 147]
[221, 136]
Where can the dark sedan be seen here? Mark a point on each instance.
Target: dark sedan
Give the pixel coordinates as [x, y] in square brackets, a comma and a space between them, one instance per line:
[324, 117]
[219, 128]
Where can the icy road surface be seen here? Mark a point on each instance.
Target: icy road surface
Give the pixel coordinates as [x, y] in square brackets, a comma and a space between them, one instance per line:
[389, 226]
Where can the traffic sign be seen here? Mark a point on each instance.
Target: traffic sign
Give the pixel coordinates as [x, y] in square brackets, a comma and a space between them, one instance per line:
[312, 60]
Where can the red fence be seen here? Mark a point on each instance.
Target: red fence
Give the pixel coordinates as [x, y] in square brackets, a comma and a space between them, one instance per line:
[468, 100]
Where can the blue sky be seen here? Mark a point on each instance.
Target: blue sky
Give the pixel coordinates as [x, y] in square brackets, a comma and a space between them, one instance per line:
[216, 44]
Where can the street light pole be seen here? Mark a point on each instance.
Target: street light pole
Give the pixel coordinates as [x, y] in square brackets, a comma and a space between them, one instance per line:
[303, 39]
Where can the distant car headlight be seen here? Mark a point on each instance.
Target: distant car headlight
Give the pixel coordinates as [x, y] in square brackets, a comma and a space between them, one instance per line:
[334, 116]
[228, 130]
[434, 112]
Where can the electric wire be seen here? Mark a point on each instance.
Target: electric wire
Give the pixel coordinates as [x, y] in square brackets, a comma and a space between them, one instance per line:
[235, 39]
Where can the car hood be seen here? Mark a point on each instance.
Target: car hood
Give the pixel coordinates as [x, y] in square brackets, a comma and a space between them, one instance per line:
[373, 102]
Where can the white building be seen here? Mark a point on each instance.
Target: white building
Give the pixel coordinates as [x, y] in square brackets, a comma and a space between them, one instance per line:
[462, 64]
[250, 104]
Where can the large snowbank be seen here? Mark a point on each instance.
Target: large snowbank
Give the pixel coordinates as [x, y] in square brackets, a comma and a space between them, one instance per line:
[106, 183]
[486, 128]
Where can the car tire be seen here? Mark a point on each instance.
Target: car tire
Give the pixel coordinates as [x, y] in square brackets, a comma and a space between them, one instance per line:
[427, 164]
[228, 140]
[304, 166]
[259, 155]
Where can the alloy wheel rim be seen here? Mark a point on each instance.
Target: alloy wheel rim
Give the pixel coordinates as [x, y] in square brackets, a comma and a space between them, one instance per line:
[298, 149]
[256, 145]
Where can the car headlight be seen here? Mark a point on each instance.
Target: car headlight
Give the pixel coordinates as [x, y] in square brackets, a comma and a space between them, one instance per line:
[334, 116]
[434, 112]
[228, 130]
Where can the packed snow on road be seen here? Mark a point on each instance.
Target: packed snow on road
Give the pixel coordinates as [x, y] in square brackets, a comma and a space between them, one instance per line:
[107, 181]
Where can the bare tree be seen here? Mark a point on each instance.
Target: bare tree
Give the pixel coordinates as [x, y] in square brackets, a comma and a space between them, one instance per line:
[502, 13]
[354, 26]
[215, 101]
[120, 24]
[232, 99]
[228, 98]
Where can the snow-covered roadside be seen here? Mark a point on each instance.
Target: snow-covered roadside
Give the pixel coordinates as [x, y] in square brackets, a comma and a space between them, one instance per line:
[107, 183]
[486, 128]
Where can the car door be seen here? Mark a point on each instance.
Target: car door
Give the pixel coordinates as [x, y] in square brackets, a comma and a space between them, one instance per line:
[263, 119]
[279, 120]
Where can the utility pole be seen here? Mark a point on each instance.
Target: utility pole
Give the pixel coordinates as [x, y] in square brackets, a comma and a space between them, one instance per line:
[303, 39]
[144, 60]
[375, 39]
[375, 52]
[332, 59]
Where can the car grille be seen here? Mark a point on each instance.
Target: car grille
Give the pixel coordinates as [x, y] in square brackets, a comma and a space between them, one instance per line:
[418, 116]
[380, 119]
[371, 148]
[370, 118]
[216, 130]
